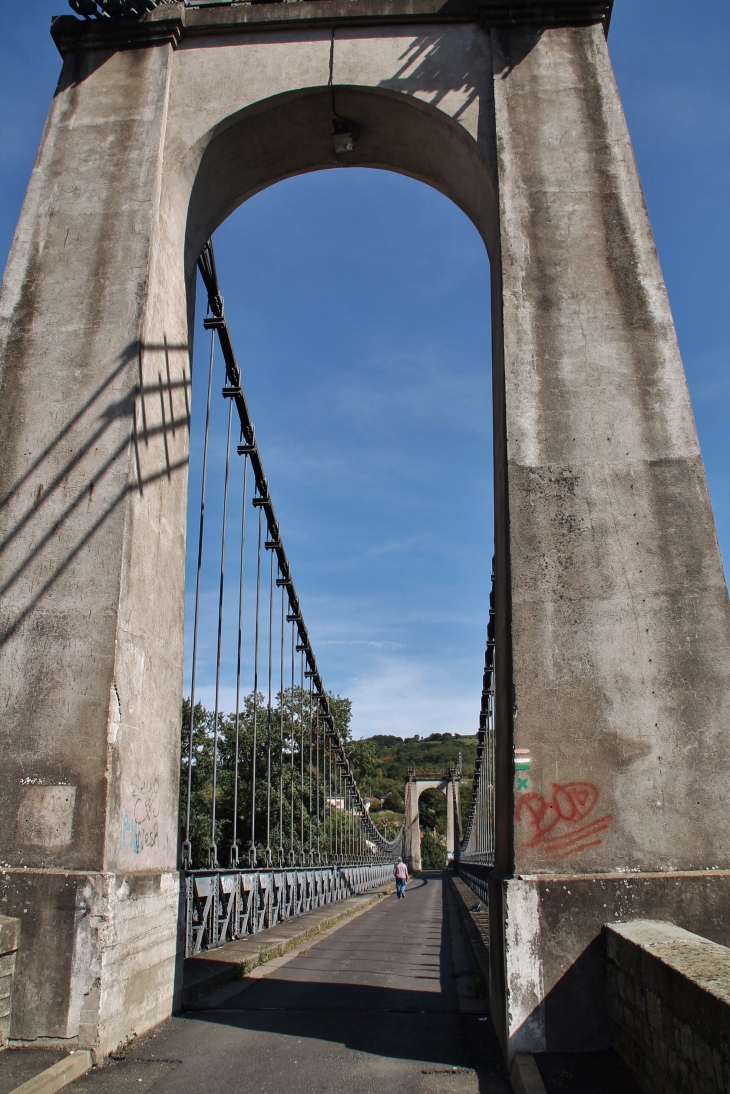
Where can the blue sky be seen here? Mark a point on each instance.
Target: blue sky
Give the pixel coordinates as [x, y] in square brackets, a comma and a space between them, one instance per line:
[358, 302]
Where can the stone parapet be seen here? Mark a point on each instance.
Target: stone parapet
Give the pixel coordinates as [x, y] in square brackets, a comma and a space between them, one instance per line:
[669, 1004]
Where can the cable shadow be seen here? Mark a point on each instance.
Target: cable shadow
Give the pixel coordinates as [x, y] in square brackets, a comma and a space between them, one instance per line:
[87, 461]
[433, 67]
[436, 67]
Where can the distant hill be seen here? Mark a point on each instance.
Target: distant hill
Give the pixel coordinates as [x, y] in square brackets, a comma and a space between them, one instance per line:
[392, 756]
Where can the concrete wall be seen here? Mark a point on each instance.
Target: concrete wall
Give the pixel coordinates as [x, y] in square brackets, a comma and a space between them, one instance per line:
[613, 652]
[612, 613]
[145, 152]
[669, 1004]
[93, 417]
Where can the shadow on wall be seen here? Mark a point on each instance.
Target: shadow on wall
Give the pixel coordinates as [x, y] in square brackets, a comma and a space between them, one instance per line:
[61, 500]
[434, 66]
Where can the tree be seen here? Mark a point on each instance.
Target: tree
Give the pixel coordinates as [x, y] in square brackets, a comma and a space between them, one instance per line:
[291, 761]
[363, 760]
[433, 855]
[394, 801]
[432, 811]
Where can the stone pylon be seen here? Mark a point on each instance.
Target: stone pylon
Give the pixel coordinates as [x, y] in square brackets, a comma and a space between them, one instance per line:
[415, 785]
[613, 639]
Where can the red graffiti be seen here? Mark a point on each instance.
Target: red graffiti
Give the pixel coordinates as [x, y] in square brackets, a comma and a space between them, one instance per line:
[560, 826]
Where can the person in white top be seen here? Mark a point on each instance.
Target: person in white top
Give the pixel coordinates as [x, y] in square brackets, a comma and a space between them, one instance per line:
[401, 877]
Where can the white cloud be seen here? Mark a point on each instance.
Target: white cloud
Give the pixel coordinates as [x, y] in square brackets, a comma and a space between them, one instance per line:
[406, 697]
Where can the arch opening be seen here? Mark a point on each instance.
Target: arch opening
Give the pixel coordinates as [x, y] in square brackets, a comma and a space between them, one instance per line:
[265, 358]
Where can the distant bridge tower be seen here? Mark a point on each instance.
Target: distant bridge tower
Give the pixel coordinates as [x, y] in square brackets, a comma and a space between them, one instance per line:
[449, 784]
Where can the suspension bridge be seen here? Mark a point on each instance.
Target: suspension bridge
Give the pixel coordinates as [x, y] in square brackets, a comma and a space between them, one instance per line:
[597, 830]
[298, 820]
[300, 793]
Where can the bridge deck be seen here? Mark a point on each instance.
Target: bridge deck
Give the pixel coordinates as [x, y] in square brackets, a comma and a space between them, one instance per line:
[376, 1006]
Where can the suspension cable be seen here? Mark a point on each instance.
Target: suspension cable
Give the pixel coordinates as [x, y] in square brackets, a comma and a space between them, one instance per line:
[316, 738]
[234, 839]
[301, 759]
[252, 848]
[187, 846]
[311, 850]
[292, 743]
[216, 322]
[268, 856]
[213, 848]
[280, 848]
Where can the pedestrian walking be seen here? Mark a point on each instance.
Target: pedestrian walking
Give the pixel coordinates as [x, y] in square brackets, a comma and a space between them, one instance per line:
[401, 877]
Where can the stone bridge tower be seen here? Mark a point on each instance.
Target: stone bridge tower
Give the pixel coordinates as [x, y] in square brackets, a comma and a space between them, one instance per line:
[613, 635]
[449, 784]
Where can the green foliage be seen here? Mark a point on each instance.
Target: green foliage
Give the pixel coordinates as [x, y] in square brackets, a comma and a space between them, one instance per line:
[363, 760]
[387, 822]
[384, 767]
[432, 811]
[393, 800]
[433, 855]
[341, 711]
[282, 761]
[465, 794]
[285, 762]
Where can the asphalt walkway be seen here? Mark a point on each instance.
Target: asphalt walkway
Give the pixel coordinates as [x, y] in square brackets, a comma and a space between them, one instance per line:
[383, 1005]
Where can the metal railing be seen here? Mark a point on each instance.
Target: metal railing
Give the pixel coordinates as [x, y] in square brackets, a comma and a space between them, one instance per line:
[223, 905]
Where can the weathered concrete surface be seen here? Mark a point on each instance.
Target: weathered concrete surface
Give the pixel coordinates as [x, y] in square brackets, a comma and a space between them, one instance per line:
[555, 950]
[669, 1002]
[98, 954]
[612, 614]
[9, 940]
[613, 669]
[94, 422]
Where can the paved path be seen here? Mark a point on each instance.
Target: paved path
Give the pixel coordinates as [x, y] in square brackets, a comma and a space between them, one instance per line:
[384, 1005]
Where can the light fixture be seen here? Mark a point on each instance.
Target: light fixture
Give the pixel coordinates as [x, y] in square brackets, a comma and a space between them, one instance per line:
[344, 135]
[344, 132]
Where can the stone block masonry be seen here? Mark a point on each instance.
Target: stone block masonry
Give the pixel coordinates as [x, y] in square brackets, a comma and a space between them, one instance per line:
[9, 933]
[669, 1004]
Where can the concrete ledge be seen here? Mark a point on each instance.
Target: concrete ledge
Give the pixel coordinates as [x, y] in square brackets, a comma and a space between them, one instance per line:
[53, 1078]
[669, 1003]
[167, 24]
[525, 1077]
[210, 970]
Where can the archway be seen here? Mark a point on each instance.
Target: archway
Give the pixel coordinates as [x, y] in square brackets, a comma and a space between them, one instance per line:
[450, 786]
[349, 375]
